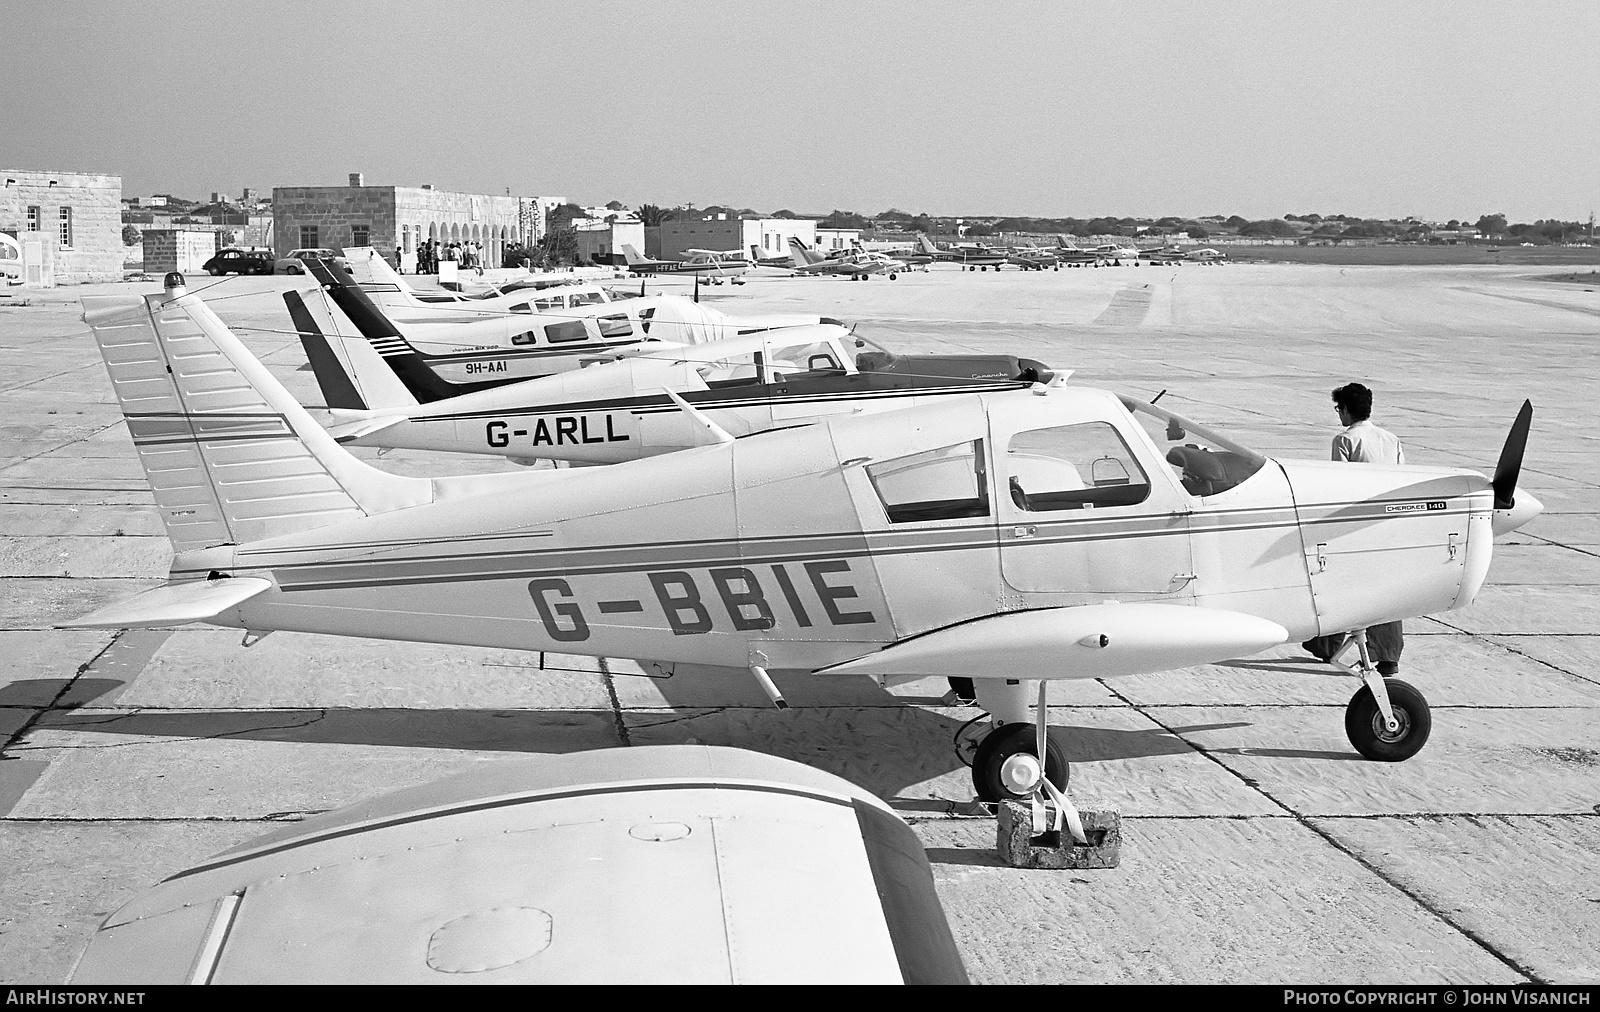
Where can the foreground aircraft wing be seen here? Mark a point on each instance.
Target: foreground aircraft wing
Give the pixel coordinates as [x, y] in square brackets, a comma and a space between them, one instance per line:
[1085, 641]
[174, 604]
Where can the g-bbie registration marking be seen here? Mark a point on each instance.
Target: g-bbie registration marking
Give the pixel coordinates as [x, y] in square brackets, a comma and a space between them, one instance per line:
[689, 611]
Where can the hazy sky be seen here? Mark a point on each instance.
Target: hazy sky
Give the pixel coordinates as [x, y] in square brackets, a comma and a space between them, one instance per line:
[1382, 109]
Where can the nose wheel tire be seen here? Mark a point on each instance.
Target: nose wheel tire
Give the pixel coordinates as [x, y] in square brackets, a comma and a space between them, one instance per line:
[988, 766]
[1370, 734]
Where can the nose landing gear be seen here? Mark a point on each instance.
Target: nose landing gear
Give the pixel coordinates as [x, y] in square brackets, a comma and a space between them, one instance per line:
[1387, 720]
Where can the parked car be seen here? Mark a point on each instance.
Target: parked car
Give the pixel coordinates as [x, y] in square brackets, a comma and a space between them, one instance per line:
[239, 261]
[294, 262]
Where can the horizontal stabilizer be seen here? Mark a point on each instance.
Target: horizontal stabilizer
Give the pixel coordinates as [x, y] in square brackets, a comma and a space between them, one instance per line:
[346, 432]
[174, 604]
[1087, 641]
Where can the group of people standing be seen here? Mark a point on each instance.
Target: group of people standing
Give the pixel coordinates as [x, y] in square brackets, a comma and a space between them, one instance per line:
[468, 255]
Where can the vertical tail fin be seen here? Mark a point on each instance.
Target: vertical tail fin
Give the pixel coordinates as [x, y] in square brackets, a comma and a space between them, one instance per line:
[801, 254]
[229, 453]
[924, 244]
[632, 255]
[380, 332]
[350, 372]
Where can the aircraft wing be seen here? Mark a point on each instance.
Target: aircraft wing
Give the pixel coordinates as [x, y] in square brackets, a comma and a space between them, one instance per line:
[1085, 641]
[174, 604]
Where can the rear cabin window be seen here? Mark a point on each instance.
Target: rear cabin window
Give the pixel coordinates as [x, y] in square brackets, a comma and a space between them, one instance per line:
[940, 484]
[554, 302]
[571, 330]
[530, 337]
[585, 299]
[523, 308]
[615, 326]
[645, 315]
[1071, 467]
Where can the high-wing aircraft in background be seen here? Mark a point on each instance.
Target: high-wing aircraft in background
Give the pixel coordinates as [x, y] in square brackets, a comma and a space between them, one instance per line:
[1206, 256]
[705, 264]
[852, 264]
[1013, 538]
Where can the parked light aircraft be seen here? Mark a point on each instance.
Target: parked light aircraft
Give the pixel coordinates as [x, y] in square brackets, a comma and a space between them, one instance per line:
[776, 260]
[630, 408]
[853, 264]
[537, 337]
[703, 264]
[536, 293]
[659, 864]
[1013, 538]
[1073, 255]
[1033, 258]
[1207, 255]
[1163, 255]
[971, 256]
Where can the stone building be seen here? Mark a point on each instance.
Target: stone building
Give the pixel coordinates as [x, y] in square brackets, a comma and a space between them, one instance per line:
[178, 249]
[403, 217]
[77, 214]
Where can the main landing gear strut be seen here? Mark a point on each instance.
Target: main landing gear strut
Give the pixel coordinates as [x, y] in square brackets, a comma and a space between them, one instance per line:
[1387, 720]
[1008, 764]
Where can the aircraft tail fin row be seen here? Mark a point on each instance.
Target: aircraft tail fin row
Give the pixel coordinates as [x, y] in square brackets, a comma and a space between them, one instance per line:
[230, 454]
[348, 368]
[416, 383]
[632, 255]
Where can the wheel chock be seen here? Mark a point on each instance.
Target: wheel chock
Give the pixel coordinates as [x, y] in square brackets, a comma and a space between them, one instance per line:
[1021, 849]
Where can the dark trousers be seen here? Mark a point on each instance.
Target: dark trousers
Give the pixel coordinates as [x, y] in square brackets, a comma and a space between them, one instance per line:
[1384, 643]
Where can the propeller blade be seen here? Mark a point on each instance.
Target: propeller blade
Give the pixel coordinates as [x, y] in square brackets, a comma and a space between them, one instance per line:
[1509, 468]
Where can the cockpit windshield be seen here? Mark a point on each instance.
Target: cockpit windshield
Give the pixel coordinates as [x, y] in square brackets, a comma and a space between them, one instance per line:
[1205, 462]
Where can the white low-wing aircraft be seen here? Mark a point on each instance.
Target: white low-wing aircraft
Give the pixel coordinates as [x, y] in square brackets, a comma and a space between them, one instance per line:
[653, 399]
[1012, 538]
[538, 336]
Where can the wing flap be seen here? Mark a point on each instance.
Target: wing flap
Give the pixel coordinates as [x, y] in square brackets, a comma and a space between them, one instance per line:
[174, 604]
[1086, 641]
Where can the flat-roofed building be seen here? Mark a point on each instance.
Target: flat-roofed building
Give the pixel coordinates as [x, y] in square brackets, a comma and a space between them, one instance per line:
[600, 241]
[403, 217]
[78, 215]
[770, 236]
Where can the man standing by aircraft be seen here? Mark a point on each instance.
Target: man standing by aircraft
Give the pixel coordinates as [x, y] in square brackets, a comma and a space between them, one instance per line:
[1363, 442]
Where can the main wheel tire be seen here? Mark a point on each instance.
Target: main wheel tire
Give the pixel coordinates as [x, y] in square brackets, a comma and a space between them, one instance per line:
[1005, 742]
[1365, 727]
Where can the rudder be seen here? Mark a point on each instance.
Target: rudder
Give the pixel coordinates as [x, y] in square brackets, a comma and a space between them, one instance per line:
[230, 455]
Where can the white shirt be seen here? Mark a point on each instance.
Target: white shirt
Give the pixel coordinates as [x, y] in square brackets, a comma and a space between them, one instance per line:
[1367, 443]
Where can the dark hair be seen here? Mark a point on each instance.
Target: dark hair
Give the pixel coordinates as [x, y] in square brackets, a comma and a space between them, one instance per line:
[1356, 399]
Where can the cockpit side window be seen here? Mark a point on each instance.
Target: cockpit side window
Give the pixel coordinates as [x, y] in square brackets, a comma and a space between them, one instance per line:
[941, 484]
[615, 326]
[586, 299]
[1071, 467]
